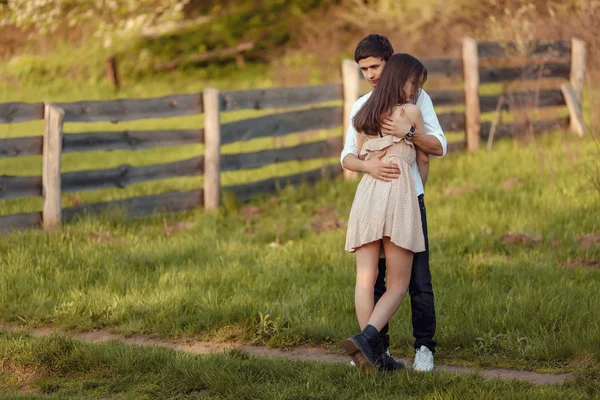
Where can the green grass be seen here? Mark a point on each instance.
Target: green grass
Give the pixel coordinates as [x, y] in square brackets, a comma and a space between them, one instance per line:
[498, 304]
[58, 367]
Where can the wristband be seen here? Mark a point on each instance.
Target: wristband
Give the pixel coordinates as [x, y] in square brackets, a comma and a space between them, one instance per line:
[409, 135]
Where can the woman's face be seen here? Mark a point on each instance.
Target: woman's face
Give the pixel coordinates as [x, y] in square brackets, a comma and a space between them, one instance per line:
[410, 91]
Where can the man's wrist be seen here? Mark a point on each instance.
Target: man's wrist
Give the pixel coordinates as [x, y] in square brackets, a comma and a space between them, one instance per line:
[363, 166]
[411, 133]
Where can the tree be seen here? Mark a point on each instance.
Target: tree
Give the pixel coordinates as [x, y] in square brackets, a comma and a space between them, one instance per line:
[110, 18]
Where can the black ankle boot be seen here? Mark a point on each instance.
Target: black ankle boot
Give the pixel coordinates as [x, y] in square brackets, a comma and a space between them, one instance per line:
[389, 364]
[366, 348]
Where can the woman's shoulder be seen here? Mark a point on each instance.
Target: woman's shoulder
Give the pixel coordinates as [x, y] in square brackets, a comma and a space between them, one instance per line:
[408, 108]
[411, 109]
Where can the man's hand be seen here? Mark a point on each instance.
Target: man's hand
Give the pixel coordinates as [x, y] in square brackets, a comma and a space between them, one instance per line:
[396, 124]
[380, 170]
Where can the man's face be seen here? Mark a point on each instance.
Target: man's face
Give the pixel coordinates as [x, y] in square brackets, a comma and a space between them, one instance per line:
[371, 69]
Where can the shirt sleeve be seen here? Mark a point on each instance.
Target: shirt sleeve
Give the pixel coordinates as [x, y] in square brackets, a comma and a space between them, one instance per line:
[430, 119]
[351, 143]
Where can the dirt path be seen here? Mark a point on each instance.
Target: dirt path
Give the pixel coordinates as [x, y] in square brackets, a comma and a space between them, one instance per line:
[296, 353]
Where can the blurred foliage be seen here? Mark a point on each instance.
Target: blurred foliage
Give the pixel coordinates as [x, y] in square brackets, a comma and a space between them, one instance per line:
[302, 41]
[110, 19]
[265, 23]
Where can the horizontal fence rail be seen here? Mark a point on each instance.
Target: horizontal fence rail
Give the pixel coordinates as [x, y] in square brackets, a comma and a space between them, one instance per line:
[133, 109]
[281, 124]
[11, 113]
[549, 59]
[137, 140]
[532, 72]
[259, 99]
[443, 67]
[538, 48]
[143, 206]
[516, 129]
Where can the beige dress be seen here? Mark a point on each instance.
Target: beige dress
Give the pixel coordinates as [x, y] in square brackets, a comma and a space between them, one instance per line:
[387, 208]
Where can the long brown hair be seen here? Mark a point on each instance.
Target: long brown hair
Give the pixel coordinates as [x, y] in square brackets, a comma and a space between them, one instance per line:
[389, 92]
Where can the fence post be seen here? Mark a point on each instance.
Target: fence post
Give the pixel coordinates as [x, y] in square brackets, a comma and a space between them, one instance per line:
[351, 90]
[574, 106]
[212, 148]
[112, 72]
[470, 61]
[52, 148]
[577, 71]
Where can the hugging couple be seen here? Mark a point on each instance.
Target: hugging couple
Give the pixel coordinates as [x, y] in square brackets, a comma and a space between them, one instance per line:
[392, 131]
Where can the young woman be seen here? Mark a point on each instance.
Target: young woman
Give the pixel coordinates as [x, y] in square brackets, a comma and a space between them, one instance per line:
[385, 216]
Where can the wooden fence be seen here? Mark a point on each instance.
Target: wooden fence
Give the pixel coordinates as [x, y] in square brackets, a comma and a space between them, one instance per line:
[211, 103]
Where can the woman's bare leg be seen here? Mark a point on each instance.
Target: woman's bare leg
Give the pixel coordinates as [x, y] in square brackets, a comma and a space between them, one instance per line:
[367, 257]
[399, 264]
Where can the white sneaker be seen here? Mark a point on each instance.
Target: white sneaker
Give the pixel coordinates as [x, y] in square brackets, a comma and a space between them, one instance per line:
[423, 360]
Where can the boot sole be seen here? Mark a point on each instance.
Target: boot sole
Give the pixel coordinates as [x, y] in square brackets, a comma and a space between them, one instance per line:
[353, 350]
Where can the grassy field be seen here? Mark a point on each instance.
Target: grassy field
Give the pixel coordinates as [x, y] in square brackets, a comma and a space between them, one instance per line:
[514, 259]
[514, 253]
[56, 367]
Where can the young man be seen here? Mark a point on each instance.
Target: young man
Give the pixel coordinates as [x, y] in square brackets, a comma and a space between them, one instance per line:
[371, 54]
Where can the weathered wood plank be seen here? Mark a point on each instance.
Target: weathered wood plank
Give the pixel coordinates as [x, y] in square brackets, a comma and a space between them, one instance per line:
[259, 99]
[52, 150]
[351, 89]
[281, 124]
[130, 140]
[529, 72]
[322, 149]
[137, 140]
[447, 97]
[98, 141]
[442, 66]
[538, 48]
[212, 149]
[470, 61]
[248, 190]
[546, 98]
[519, 100]
[112, 72]
[139, 207]
[10, 223]
[21, 146]
[125, 175]
[452, 121]
[576, 116]
[131, 109]
[577, 75]
[18, 187]
[515, 129]
[20, 112]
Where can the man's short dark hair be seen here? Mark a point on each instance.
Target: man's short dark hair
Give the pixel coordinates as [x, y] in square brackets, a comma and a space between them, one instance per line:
[374, 45]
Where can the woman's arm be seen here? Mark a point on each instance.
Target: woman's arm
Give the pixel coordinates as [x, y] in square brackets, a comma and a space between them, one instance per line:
[361, 142]
[374, 167]
[431, 139]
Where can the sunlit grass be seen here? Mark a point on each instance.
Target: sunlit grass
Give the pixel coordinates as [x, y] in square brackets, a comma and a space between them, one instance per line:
[58, 367]
[498, 303]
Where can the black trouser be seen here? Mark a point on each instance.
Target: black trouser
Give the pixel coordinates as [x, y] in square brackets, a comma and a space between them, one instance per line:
[420, 290]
